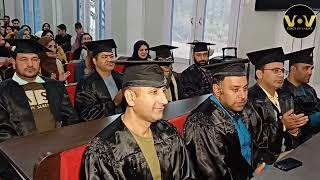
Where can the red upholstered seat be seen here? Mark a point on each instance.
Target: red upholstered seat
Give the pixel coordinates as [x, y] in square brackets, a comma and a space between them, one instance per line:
[72, 68]
[72, 93]
[179, 121]
[70, 163]
[119, 68]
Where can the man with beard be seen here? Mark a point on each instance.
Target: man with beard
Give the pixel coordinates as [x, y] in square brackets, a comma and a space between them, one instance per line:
[99, 94]
[217, 132]
[278, 121]
[305, 97]
[30, 103]
[195, 81]
[138, 144]
[173, 88]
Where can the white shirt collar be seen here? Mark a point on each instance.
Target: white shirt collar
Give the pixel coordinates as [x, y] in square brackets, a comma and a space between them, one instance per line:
[22, 82]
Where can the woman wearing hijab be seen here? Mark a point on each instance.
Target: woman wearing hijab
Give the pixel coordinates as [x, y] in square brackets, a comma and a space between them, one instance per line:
[24, 34]
[45, 26]
[140, 51]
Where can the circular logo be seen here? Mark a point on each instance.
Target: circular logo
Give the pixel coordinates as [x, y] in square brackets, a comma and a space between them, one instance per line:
[299, 21]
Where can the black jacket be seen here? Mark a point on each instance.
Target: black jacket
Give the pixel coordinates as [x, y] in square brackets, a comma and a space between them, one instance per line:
[305, 101]
[16, 118]
[191, 83]
[115, 155]
[93, 99]
[213, 143]
[269, 133]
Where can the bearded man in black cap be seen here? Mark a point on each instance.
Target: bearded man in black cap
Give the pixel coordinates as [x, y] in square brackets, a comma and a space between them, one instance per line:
[99, 95]
[305, 97]
[217, 133]
[138, 144]
[275, 109]
[195, 81]
[173, 88]
[30, 103]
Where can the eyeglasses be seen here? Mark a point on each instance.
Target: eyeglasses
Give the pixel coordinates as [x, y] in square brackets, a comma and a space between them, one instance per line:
[278, 71]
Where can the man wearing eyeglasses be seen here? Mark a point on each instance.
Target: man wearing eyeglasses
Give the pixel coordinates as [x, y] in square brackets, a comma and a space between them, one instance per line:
[305, 97]
[278, 122]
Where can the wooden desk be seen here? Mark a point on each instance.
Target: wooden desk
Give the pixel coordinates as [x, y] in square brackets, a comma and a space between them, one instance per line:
[24, 152]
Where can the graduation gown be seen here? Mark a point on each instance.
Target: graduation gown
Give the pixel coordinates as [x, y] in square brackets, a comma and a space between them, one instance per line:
[93, 99]
[191, 83]
[213, 143]
[174, 87]
[307, 102]
[16, 118]
[115, 155]
[268, 132]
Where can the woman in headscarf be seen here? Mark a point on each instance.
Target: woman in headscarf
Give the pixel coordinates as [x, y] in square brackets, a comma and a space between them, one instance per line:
[24, 34]
[51, 66]
[140, 51]
[45, 26]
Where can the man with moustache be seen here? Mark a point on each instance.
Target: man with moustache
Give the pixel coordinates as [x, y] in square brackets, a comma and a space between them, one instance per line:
[195, 81]
[30, 103]
[305, 97]
[278, 121]
[217, 132]
[138, 144]
[173, 88]
[99, 94]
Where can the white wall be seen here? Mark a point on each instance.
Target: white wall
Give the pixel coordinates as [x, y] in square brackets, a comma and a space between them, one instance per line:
[260, 30]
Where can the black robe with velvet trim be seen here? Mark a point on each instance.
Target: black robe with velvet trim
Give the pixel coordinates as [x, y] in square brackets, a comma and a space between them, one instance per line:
[115, 155]
[213, 143]
[93, 100]
[269, 133]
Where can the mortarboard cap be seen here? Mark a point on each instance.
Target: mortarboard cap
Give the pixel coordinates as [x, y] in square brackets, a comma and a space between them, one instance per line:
[263, 57]
[302, 56]
[235, 67]
[142, 73]
[163, 51]
[27, 46]
[101, 46]
[200, 46]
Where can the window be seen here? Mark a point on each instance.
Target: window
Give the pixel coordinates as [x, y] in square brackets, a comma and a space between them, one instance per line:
[217, 23]
[181, 27]
[202, 20]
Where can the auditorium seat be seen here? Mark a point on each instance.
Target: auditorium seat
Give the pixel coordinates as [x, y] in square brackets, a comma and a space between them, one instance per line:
[71, 89]
[179, 121]
[72, 68]
[70, 163]
[119, 68]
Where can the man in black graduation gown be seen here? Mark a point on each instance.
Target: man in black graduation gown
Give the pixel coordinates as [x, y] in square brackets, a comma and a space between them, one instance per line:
[217, 132]
[99, 94]
[138, 144]
[31, 103]
[275, 109]
[173, 88]
[305, 97]
[195, 81]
